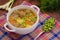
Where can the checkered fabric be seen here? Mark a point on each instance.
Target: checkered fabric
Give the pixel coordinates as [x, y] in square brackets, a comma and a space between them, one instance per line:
[54, 34]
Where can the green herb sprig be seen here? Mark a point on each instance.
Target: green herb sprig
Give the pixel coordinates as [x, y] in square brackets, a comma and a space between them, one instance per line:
[49, 5]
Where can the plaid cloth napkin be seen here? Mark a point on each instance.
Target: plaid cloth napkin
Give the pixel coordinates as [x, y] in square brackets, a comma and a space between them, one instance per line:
[54, 34]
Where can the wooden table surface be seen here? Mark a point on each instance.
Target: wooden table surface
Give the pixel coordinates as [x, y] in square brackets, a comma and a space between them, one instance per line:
[18, 2]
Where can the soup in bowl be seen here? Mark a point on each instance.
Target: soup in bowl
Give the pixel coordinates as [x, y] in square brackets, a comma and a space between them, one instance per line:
[22, 19]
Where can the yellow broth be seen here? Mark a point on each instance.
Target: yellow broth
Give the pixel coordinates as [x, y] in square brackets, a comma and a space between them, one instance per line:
[22, 18]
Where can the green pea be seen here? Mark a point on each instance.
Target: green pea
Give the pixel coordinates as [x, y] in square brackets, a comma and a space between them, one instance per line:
[48, 25]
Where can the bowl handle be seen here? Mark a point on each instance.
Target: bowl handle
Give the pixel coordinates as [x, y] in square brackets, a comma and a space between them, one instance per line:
[36, 8]
[5, 26]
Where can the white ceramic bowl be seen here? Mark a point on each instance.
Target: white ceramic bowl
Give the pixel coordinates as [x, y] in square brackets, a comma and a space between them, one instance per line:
[22, 30]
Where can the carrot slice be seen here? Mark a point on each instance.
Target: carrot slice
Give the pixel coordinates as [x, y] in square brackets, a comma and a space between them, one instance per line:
[27, 22]
[11, 20]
